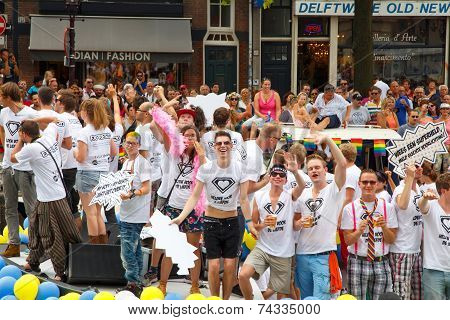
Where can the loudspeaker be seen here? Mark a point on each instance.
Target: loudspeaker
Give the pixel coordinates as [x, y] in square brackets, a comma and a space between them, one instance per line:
[95, 264]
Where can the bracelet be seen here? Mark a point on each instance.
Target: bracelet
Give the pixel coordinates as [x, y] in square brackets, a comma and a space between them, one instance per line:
[248, 220]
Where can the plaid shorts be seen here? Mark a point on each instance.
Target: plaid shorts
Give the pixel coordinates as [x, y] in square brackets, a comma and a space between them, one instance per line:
[407, 275]
[368, 279]
[192, 223]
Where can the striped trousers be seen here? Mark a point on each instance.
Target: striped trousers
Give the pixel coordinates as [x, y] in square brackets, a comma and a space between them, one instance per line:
[51, 230]
[407, 275]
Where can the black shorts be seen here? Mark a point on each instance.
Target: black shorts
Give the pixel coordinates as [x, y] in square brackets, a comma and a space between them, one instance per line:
[334, 121]
[222, 237]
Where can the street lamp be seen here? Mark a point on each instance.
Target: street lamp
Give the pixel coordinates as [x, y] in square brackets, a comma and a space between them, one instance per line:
[72, 7]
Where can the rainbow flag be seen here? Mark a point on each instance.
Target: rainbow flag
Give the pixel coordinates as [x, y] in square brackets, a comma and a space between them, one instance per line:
[357, 142]
[309, 144]
[379, 147]
[337, 141]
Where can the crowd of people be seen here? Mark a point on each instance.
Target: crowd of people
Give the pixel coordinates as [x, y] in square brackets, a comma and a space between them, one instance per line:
[322, 225]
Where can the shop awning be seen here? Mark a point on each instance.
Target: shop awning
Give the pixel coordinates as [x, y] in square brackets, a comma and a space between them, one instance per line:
[113, 39]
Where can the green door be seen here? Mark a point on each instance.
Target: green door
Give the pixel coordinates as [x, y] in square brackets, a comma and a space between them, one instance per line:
[220, 67]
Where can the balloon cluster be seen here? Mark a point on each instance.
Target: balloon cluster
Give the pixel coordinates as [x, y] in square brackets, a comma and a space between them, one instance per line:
[248, 243]
[23, 233]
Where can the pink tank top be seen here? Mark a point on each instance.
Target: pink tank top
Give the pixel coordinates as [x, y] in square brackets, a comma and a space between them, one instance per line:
[269, 105]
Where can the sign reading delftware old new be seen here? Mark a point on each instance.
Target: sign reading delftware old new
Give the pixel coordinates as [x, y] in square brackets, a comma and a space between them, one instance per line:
[112, 56]
[379, 8]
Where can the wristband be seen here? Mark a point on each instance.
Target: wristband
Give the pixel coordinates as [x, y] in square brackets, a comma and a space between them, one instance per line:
[248, 220]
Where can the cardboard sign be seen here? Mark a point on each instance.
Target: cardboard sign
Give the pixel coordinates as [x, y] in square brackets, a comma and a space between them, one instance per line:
[209, 104]
[110, 187]
[424, 143]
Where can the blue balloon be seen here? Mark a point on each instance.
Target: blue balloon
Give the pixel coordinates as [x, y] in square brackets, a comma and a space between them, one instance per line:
[2, 262]
[11, 271]
[173, 296]
[23, 238]
[88, 295]
[26, 223]
[47, 290]
[245, 252]
[7, 286]
[52, 298]
[286, 299]
[311, 298]
[10, 297]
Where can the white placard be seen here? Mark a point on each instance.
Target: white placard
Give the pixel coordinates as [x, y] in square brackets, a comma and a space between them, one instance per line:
[169, 238]
[424, 143]
[209, 104]
[110, 187]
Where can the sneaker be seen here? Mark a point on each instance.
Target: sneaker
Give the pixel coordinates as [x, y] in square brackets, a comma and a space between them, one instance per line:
[163, 287]
[133, 288]
[150, 277]
[12, 251]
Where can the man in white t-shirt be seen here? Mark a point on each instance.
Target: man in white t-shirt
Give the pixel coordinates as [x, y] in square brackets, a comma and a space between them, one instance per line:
[273, 217]
[53, 227]
[370, 226]
[405, 257]
[319, 208]
[15, 176]
[436, 243]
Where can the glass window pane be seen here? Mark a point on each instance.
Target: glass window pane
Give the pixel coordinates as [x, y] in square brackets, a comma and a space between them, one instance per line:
[214, 15]
[313, 27]
[276, 22]
[226, 16]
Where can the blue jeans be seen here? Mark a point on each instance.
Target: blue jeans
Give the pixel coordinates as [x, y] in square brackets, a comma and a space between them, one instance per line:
[436, 284]
[312, 276]
[130, 250]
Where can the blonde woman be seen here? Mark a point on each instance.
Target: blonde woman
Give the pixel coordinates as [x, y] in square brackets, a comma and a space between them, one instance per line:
[386, 118]
[95, 146]
[301, 117]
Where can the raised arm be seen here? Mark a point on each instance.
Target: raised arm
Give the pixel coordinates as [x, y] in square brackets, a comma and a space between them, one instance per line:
[341, 163]
[292, 166]
[424, 205]
[403, 198]
[113, 93]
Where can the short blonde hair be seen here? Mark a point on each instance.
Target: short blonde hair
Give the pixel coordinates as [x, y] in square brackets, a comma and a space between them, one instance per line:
[349, 151]
[299, 151]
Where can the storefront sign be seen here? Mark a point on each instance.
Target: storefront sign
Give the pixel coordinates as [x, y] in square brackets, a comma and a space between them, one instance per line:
[313, 28]
[380, 8]
[112, 56]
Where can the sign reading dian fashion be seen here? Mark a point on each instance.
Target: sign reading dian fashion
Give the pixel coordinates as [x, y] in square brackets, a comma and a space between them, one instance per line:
[379, 8]
[112, 56]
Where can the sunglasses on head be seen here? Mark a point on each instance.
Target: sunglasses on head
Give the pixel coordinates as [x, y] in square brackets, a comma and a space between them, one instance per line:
[279, 174]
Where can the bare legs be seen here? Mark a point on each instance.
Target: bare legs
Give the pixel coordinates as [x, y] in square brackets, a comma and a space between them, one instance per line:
[95, 223]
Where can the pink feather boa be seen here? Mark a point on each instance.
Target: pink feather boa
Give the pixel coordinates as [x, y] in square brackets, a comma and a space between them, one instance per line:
[177, 146]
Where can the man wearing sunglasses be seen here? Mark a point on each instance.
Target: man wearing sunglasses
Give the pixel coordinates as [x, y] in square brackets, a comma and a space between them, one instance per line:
[370, 226]
[413, 121]
[225, 183]
[374, 104]
[273, 216]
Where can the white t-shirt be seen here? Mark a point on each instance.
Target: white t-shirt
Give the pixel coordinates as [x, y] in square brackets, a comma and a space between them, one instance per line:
[351, 180]
[163, 189]
[137, 209]
[409, 234]
[325, 209]
[292, 183]
[75, 127]
[184, 184]
[236, 139]
[154, 149]
[351, 222]
[222, 186]
[62, 124]
[49, 186]
[117, 137]
[11, 124]
[436, 242]
[279, 242]
[255, 163]
[98, 145]
[384, 195]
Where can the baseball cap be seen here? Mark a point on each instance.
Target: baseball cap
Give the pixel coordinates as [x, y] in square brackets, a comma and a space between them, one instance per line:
[183, 86]
[278, 168]
[186, 111]
[444, 106]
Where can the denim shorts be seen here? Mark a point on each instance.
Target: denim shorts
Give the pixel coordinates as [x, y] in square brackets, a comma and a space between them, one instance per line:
[87, 180]
[222, 237]
[192, 223]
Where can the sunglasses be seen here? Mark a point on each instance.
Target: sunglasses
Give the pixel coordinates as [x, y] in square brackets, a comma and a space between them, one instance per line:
[234, 99]
[279, 174]
[415, 117]
[224, 143]
[374, 93]
[366, 182]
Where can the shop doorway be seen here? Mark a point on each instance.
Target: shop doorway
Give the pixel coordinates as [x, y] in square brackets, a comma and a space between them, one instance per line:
[220, 67]
[276, 65]
[313, 63]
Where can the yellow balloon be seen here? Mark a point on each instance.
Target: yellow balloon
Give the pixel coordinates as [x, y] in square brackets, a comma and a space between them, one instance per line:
[214, 298]
[3, 240]
[196, 296]
[103, 295]
[152, 293]
[70, 296]
[26, 288]
[5, 233]
[346, 297]
[21, 229]
[250, 242]
[25, 232]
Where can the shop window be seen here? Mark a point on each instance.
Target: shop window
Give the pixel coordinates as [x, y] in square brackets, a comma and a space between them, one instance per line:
[220, 14]
[276, 21]
[313, 27]
[403, 48]
[109, 72]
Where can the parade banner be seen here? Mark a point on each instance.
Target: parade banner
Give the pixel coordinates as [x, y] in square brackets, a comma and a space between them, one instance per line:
[424, 143]
[110, 187]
